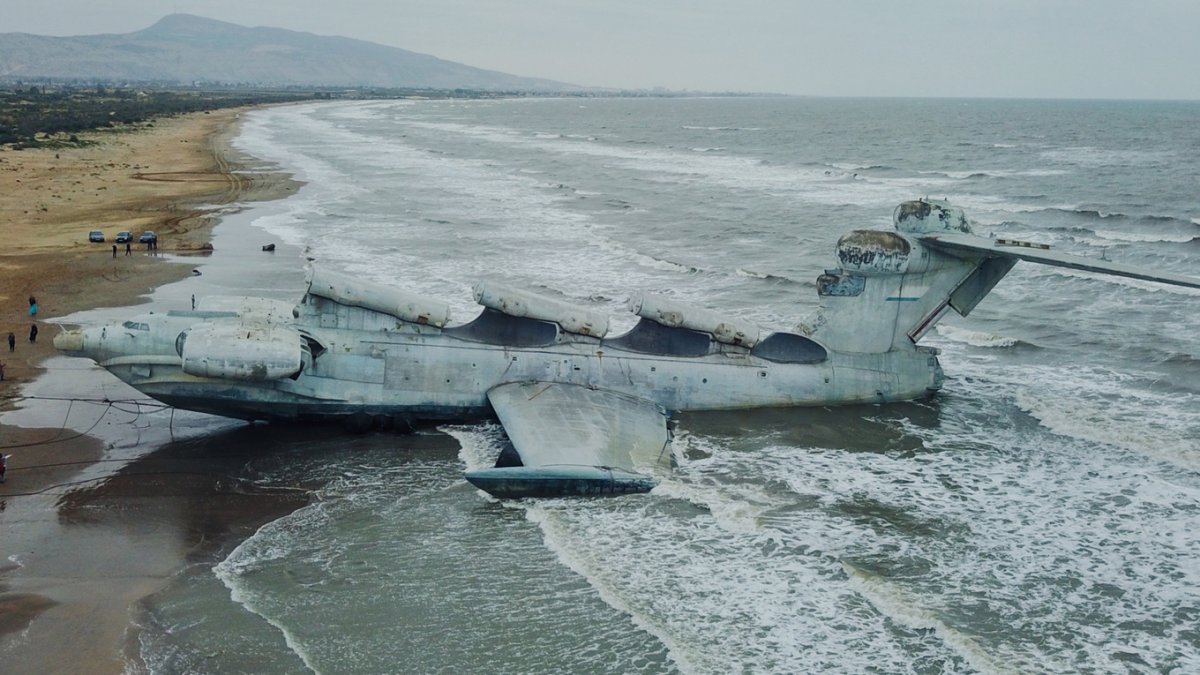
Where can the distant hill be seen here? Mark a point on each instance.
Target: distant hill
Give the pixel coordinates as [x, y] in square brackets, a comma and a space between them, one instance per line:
[186, 49]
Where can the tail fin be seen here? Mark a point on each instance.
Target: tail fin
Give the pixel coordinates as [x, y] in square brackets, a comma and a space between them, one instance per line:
[893, 287]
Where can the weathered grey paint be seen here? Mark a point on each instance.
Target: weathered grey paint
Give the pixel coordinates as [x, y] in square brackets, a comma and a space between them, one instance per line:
[575, 440]
[677, 315]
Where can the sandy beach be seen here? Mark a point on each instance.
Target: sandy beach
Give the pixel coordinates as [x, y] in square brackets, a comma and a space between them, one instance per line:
[76, 556]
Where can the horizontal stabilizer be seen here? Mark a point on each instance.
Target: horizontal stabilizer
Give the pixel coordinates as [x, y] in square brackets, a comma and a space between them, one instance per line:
[574, 440]
[956, 244]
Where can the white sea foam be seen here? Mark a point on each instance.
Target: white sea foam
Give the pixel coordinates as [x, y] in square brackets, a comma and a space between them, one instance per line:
[782, 585]
[251, 555]
[518, 203]
[975, 338]
[898, 605]
[1097, 409]
[1140, 237]
[1038, 520]
[807, 184]
[703, 128]
[752, 274]
[1026, 514]
[1092, 156]
[479, 444]
[993, 204]
[1152, 287]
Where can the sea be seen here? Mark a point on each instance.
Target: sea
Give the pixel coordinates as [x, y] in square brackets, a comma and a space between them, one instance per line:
[1040, 514]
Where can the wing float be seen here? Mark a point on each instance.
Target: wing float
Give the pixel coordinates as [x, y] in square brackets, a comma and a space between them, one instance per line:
[573, 440]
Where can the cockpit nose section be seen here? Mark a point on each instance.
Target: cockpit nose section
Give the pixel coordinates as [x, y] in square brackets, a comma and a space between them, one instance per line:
[71, 341]
[88, 342]
[928, 216]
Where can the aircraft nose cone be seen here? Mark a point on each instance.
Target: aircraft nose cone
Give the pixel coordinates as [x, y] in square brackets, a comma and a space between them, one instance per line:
[69, 341]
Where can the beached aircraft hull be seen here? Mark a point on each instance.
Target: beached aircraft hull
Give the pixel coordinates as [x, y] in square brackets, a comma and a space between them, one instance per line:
[586, 413]
[424, 375]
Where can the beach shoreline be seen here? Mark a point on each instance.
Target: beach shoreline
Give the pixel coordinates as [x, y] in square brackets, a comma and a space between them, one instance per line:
[76, 559]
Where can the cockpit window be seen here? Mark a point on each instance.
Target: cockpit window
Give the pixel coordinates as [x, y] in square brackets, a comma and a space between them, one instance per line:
[133, 325]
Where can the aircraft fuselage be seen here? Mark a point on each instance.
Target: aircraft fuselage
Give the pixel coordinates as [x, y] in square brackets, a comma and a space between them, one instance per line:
[424, 373]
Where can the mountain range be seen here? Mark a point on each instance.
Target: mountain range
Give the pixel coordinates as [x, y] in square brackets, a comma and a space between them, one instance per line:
[186, 49]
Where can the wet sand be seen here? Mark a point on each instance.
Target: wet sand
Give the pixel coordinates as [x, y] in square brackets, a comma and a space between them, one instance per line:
[85, 535]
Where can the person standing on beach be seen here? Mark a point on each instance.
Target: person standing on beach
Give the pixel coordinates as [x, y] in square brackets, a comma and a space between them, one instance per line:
[114, 250]
[127, 249]
[12, 342]
[33, 333]
[33, 306]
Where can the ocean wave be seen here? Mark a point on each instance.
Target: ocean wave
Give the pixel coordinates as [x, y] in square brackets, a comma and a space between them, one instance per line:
[977, 338]
[1040, 172]
[716, 149]
[1094, 213]
[692, 127]
[1145, 237]
[979, 174]
[1181, 360]
[964, 175]
[1098, 238]
[1098, 410]
[1149, 286]
[1157, 223]
[751, 274]
[908, 610]
[643, 259]
[664, 264]
[1093, 156]
[978, 206]
[843, 166]
[545, 135]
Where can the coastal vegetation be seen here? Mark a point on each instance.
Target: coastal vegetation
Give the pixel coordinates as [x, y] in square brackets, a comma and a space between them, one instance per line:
[50, 115]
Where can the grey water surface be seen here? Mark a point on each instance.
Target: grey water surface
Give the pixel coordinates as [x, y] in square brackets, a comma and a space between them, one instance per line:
[1041, 515]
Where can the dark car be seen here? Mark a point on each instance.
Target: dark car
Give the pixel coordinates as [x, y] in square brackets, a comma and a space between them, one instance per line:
[96, 237]
[124, 237]
[148, 237]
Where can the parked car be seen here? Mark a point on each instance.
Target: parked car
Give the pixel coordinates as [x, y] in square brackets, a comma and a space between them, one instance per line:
[96, 237]
[148, 237]
[124, 237]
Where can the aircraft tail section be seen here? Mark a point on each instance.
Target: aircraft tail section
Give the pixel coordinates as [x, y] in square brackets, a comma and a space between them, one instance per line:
[892, 288]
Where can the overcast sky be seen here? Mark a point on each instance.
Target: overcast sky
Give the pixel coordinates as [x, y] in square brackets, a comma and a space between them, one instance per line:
[1002, 48]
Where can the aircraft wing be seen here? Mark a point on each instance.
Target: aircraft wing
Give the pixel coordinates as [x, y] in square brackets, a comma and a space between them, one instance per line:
[573, 440]
[956, 244]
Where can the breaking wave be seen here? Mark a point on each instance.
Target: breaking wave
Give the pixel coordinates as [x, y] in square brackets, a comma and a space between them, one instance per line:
[692, 127]
[977, 338]
[751, 274]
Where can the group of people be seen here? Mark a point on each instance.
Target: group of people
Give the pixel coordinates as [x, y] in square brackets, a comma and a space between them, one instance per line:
[33, 327]
[12, 346]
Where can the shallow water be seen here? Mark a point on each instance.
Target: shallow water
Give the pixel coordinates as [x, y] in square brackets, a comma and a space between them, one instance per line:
[1039, 515]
